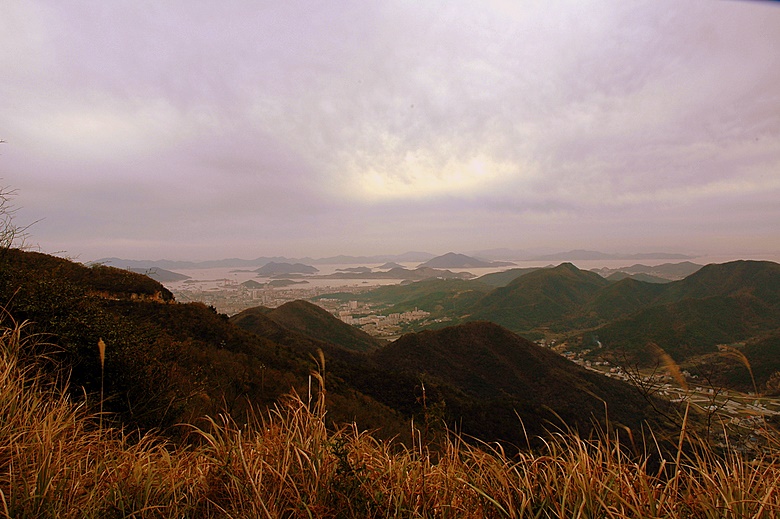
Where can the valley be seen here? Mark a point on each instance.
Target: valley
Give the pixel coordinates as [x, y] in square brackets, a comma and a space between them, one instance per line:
[395, 307]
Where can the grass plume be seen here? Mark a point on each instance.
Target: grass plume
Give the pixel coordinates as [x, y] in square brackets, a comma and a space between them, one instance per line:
[56, 462]
[669, 364]
[102, 353]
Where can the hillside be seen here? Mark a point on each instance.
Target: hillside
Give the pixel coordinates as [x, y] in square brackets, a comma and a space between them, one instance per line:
[478, 378]
[166, 363]
[755, 279]
[503, 278]
[622, 298]
[233, 468]
[719, 304]
[161, 275]
[545, 297]
[494, 375]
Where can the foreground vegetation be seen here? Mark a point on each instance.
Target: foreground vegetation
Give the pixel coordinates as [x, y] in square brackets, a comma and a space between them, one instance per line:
[56, 460]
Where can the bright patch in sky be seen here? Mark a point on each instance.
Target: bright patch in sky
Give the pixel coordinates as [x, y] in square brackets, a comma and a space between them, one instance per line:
[420, 175]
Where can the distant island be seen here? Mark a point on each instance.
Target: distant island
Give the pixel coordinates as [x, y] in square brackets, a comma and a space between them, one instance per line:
[390, 265]
[658, 273]
[276, 269]
[452, 260]
[355, 270]
[401, 273]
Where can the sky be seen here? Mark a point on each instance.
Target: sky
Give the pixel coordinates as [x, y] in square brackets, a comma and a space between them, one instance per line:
[199, 130]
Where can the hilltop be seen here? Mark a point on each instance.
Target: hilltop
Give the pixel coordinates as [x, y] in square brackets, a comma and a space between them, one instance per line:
[540, 298]
[311, 321]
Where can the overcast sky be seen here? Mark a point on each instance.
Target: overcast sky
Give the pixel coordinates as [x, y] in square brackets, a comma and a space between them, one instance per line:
[204, 129]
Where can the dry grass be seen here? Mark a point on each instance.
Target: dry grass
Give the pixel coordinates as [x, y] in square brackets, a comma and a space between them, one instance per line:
[56, 462]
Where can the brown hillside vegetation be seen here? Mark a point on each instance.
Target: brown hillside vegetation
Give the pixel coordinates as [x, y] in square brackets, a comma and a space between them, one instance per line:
[503, 377]
[56, 461]
[165, 363]
[316, 323]
[478, 378]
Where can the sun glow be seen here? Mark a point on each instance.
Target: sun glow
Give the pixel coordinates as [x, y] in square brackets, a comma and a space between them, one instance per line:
[420, 176]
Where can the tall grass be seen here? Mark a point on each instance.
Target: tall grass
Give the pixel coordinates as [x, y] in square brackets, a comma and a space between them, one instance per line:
[56, 462]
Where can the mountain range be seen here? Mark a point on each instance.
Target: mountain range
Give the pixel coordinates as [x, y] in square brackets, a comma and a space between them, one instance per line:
[169, 363]
[501, 255]
[731, 303]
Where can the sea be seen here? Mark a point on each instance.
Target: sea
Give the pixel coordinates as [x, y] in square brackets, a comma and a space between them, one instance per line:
[212, 278]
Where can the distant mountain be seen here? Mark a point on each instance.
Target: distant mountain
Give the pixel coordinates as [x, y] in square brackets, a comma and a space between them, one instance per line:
[667, 271]
[176, 265]
[647, 278]
[759, 279]
[161, 275]
[275, 269]
[390, 265]
[407, 257]
[459, 261]
[401, 273]
[587, 255]
[718, 304]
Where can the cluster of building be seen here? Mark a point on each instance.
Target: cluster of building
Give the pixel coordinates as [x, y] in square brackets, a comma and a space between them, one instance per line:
[230, 298]
[363, 316]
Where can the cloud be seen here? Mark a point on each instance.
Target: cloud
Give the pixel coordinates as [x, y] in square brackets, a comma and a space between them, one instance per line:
[201, 128]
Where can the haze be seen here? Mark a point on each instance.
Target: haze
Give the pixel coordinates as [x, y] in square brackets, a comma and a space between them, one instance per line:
[203, 130]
